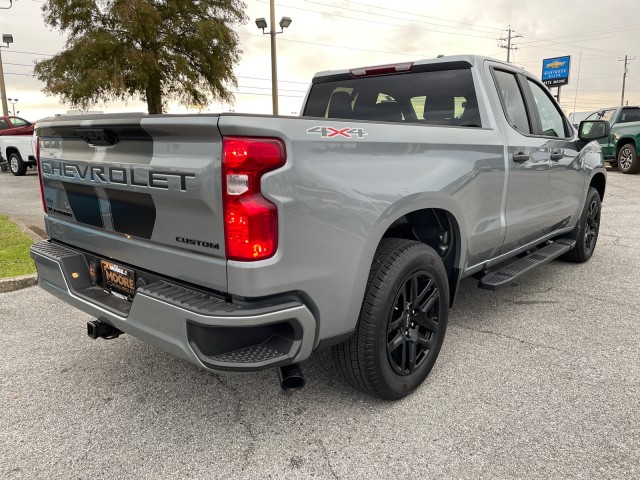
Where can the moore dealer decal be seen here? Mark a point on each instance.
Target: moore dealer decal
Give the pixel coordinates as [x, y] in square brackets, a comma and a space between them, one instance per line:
[330, 132]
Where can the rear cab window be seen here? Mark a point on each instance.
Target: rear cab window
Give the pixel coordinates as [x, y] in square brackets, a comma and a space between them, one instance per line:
[440, 97]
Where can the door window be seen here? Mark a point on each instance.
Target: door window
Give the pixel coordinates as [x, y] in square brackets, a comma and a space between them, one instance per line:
[550, 116]
[512, 101]
[602, 115]
[19, 122]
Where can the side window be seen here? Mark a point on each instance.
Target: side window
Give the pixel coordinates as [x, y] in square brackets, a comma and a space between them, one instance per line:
[3, 124]
[630, 115]
[550, 117]
[18, 122]
[512, 101]
[602, 115]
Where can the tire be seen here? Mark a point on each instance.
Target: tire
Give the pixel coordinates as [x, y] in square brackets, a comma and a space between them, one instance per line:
[586, 233]
[16, 165]
[628, 159]
[396, 344]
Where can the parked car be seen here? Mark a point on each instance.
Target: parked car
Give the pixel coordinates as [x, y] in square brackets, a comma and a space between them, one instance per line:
[15, 126]
[620, 148]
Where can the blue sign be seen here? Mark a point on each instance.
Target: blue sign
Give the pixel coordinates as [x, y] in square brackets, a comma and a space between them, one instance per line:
[555, 71]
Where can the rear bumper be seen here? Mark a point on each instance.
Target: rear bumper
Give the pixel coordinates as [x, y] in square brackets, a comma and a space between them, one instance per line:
[202, 328]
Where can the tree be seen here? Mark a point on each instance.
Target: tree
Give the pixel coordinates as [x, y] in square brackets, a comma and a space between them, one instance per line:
[152, 49]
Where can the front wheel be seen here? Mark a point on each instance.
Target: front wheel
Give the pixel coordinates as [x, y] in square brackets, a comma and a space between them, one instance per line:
[586, 232]
[402, 322]
[16, 165]
[628, 159]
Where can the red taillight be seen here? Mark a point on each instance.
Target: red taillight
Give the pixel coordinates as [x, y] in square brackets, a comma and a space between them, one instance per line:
[250, 220]
[37, 148]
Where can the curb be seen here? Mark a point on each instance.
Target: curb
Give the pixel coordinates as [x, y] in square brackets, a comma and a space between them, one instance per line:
[16, 283]
[23, 281]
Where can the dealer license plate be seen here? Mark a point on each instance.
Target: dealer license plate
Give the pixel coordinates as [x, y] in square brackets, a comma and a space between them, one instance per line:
[120, 280]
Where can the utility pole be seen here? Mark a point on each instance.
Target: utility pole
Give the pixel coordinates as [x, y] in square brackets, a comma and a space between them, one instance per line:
[274, 67]
[7, 38]
[261, 23]
[624, 76]
[3, 90]
[510, 35]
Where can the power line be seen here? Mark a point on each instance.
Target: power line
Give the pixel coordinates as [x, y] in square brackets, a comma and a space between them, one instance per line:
[268, 79]
[386, 15]
[28, 53]
[266, 94]
[426, 16]
[334, 46]
[382, 23]
[588, 34]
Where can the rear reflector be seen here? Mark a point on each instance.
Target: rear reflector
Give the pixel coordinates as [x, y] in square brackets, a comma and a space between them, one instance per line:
[250, 220]
[381, 70]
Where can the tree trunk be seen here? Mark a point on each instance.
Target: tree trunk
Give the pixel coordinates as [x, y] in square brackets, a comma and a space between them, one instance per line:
[153, 94]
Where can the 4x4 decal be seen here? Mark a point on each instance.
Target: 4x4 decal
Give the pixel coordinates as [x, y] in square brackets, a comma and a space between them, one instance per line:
[330, 132]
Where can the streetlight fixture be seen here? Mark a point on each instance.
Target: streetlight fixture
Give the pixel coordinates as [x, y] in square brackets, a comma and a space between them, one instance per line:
[261, 23]
[13, 102]
[8, 39]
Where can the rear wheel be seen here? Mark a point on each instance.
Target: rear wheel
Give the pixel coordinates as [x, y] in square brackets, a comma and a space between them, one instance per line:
[16, 165]
[586, 233]
[402, 322]
[628, 159]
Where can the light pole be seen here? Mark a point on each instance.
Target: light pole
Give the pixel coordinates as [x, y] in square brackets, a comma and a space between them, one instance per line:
[8, 39]
[262, 24]
[13, 102]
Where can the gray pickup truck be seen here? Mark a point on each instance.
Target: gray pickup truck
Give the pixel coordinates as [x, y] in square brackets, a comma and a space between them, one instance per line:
[246, 242]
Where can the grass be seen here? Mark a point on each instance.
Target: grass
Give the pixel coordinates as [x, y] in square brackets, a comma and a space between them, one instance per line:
[14, 250]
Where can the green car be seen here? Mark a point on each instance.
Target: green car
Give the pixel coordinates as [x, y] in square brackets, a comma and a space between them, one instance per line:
[621, 148]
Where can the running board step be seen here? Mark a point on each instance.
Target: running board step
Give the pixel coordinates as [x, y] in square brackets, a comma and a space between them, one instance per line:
[501, 278]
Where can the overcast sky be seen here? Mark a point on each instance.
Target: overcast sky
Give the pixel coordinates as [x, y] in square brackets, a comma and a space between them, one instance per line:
[334, 34]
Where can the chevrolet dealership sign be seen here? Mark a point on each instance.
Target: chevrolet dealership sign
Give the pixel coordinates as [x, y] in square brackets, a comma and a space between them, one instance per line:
[555, 71]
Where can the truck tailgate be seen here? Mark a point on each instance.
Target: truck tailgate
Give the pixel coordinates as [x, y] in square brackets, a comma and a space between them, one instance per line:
[141, 190]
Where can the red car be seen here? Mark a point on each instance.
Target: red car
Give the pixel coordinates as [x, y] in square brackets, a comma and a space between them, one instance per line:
[15, 126]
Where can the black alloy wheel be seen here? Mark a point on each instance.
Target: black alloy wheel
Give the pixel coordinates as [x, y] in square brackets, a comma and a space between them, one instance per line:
[592, 225]
[402, 322]
[413, 323]
[586, 232]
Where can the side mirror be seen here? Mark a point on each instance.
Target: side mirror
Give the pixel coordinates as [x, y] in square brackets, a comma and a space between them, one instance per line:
[593, 130]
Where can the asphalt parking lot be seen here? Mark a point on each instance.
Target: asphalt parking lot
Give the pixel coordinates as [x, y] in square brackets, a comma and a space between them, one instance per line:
[538, 380]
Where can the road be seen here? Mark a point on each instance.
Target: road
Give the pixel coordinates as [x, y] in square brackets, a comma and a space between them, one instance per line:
[539, 380]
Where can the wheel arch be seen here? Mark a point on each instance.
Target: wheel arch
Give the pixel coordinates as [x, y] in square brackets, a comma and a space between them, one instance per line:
[396, 221]
[437, 228]
[11, 150]
[599, 182]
